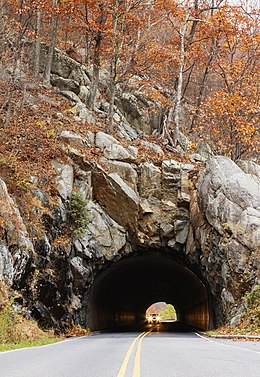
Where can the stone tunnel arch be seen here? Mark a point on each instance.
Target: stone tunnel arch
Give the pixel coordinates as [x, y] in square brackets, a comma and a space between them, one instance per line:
[122, 292]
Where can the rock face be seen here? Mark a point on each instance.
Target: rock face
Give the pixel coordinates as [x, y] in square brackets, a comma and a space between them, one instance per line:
[6, 266]
[104, 236]
[136, 110]
[64, 179]
[132, 110]
[230, 199]
[212, 224]
[206, 219]
[229, 229]
[16, 237]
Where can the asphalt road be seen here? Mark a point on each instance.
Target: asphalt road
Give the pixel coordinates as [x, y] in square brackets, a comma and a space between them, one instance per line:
[147, 354]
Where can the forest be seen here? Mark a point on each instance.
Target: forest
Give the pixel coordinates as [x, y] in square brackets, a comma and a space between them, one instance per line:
[198, 59]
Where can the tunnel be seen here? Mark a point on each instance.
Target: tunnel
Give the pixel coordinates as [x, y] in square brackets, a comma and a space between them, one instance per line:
[122, 292]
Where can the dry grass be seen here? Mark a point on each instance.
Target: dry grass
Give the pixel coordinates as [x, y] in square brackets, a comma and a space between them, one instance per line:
[76, 330]
[14, 327]
[16, 331]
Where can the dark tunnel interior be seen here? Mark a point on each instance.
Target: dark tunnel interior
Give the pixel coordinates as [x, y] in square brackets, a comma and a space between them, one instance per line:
[122, 292]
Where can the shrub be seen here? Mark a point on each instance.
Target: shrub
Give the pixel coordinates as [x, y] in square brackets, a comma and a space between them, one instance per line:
[3, 294]
[78, 213]
[252, 314]
[14, 328]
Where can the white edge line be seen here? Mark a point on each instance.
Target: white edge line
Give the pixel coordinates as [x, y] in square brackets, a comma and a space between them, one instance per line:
[226, 345]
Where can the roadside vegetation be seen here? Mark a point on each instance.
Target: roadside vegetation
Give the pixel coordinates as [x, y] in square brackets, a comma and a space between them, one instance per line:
[79, 215]
[17, 331]
[250, 321]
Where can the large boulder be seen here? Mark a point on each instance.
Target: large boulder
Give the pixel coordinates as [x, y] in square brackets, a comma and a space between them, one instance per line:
[226, 225]
[136, 109]
[104, 140]
[150, 181]
[106, 237]
[65, 84]
[118, 152]
[81, 111]
[119, 200]
[249, 167]
[230, 200]
[154, 147]
[74, 139]
[64, 179]
[125, 170]
[67, 68]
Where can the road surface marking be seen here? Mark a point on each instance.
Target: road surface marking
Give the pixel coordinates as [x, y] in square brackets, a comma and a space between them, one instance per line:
[123, 368]
[226, 345]
[137, 363]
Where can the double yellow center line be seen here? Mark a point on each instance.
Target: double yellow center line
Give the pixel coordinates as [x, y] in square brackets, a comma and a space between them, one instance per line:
[137, 361]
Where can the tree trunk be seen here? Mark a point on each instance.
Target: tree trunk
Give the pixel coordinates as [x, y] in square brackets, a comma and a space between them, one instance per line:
[87, 39]
[96, 59]
[49, 59]
[205, 74]
[201, 92]
[95, 81]
[111, 105]
[178, 95]
[37, 50]
[16, 65]
[113, 66]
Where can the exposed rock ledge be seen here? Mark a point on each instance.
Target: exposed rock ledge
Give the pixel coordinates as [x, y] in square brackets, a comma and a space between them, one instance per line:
[134, 207]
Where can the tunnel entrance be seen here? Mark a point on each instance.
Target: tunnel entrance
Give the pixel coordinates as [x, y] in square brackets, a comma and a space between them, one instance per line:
[123, 291]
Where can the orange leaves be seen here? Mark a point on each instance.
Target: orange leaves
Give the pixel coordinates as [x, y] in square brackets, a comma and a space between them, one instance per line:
[140, 42]
[228, 120]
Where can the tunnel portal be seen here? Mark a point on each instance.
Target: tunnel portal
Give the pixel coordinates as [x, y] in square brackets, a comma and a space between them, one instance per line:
[122, 292]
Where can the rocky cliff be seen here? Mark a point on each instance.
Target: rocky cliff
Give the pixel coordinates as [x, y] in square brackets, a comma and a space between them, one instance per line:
[209, 217]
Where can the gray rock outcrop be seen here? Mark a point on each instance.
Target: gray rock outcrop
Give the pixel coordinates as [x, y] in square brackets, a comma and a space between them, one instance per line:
[6, 266]
[212, 224]
[230, 200]
[16, 241]
[227, 227]
[131, 198]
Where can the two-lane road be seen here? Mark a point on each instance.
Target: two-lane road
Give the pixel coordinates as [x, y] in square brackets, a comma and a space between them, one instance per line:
[147, 354]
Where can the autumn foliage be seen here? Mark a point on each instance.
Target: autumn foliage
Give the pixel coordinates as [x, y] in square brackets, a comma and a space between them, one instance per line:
[199, 59]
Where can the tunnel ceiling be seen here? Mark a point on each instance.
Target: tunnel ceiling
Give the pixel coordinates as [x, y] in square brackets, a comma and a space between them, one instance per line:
[122, 293]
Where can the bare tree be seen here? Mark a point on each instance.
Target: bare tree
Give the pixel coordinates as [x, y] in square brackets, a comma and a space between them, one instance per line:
[98, 38]
[37, 49]
[49, 59]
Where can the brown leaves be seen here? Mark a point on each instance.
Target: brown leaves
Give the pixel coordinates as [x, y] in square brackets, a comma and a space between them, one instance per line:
[230, 121]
